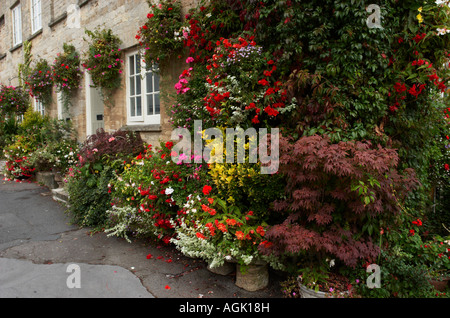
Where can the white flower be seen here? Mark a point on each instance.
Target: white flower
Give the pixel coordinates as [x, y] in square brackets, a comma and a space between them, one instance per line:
[332, 263]
[442, 31]
[169, 191]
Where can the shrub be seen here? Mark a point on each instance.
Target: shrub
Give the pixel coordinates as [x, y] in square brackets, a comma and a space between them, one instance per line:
[338, 196]
[88, 196]
[102, 157]
[103, 147]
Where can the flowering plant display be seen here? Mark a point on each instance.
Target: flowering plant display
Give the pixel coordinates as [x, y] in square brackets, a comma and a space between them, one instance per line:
[103, 60]
[159, 36]
[217, 232]
[40, 82]
[17, 156]
[156, 187]
[67, 73]
[13, 100]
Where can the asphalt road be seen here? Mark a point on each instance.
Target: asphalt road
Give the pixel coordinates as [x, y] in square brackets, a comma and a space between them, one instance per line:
[43, 256]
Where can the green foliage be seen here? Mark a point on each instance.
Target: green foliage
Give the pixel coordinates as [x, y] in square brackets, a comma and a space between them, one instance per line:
[88, 195]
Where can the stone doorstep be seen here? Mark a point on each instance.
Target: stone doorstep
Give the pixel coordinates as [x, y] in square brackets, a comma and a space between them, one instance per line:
[61, 195]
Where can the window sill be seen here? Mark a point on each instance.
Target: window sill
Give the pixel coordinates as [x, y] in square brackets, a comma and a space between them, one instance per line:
[81, 3]
[143, 128]
[35, 34]
[57, 20]
[17, 46]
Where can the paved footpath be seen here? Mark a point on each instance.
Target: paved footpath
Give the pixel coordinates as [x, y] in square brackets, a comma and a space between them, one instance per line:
[43, 256]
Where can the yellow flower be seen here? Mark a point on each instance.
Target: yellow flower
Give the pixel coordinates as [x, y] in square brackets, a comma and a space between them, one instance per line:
[420, 9]
[419, 18]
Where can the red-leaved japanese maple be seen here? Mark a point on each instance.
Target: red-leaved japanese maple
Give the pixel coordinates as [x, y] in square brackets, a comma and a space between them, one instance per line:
[337, 198]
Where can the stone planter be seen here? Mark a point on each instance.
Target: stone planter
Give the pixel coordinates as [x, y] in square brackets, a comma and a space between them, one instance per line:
[47, 178]
[252, 277]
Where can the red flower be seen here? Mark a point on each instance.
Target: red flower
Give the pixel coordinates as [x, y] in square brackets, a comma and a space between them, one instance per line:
[169, 145]
[399, 87]
[446, 167]
[150, 15]
[411, 232]
[206, 189]
[149, 256]
[240, 235]
[260, 230]
[413, 91]
[270, 111]
[200, 236]
[417, 222]
[263, 82]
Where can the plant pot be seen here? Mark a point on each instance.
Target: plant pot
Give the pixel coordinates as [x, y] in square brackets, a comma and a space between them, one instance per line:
[306, 292]
[252, 277]
[439, 284]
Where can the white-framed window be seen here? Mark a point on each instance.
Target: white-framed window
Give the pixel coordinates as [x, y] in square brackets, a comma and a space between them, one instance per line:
[143, 95]
[36, 15]
[39, 107]
[16, 14]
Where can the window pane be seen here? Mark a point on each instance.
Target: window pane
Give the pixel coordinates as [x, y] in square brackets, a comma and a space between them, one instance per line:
[132, 91]
[149, 82]
[138, 106]
[157, 108]
[156, 79]
[150, 104]
[132, 107]
[131, 65]
[138, 85]
[138, 64]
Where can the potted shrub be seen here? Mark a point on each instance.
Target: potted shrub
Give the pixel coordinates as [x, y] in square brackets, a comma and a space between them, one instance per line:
[67, 73]
[40, 82]
[337, 198]
[159, 36]
[103, 61]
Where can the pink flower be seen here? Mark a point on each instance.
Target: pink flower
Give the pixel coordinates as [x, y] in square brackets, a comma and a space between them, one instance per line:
[189, 60]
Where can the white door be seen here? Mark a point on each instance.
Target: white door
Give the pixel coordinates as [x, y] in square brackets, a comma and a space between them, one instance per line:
[94, 108]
